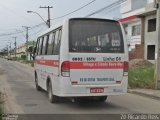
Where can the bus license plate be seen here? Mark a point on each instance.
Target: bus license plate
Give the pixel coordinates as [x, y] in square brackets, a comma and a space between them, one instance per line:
[96, 90]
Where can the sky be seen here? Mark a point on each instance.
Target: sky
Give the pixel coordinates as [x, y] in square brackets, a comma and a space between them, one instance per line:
[13, 15]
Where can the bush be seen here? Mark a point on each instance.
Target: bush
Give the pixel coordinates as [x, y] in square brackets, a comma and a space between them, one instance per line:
[23, 57]
[14, 58]
[1, 111]
[141, 77]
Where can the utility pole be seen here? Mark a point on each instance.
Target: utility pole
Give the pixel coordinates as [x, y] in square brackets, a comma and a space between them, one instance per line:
[10, 49]
[49, 19]
[158, 47]
[15, 46]
[27, 29]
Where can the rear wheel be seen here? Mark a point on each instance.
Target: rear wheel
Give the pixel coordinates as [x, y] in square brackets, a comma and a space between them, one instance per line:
[52, 98]
[36, 82]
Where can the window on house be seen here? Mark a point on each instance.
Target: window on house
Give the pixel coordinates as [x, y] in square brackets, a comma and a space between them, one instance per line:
[152, 25]
[151, 52]
[136, 30]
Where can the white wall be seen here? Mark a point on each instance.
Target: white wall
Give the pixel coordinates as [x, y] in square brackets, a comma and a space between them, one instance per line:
[132, 13]
[150, 37]
[150, 1]
[133, 7]
[133, 40]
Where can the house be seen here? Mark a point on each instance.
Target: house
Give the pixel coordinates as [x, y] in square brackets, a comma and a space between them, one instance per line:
[21, 50]
[133, 26]
[149, 24]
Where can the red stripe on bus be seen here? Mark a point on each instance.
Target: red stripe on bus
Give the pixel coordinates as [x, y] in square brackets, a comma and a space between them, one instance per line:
[54, 63]
[84, 65]
[96, 65]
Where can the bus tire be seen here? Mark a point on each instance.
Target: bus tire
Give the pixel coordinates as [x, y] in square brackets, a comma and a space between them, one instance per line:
[52, 98]
[38, 88]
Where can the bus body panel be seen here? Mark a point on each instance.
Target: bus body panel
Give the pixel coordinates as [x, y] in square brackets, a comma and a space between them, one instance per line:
[81, 80]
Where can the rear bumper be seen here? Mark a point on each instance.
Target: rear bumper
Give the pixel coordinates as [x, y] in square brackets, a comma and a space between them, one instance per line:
[68, 90]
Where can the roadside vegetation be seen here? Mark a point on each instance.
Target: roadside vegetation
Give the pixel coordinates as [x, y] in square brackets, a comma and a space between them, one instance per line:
[141, 74]
[0, 113]
[22, 59]
[1, 104]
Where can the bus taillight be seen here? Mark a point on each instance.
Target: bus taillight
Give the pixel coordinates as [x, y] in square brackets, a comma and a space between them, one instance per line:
[65, 69]
[125, 69]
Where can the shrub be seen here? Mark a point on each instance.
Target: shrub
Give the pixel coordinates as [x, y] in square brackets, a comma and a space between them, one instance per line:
[23, 57]
[141, 77]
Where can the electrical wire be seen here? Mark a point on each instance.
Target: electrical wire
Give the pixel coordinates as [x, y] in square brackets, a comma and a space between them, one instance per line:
[106, 7]
[74, 10]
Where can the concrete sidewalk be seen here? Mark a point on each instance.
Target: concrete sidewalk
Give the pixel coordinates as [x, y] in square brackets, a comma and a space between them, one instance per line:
[155, 94]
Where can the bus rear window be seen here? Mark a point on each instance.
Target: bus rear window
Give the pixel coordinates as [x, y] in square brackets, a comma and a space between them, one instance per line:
[95, 36]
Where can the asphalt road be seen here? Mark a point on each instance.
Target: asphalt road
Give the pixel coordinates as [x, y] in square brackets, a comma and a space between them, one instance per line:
[17, 82]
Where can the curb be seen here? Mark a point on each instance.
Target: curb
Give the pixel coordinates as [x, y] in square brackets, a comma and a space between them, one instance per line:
[144, 94]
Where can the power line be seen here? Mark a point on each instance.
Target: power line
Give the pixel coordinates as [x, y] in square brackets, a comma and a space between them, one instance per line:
[96, 12]
[19, 32]
[15, 33]
[74, 10]
[106, 7]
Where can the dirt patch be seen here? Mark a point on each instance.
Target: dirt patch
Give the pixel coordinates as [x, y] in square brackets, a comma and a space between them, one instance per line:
[139, 63]
[1, 72]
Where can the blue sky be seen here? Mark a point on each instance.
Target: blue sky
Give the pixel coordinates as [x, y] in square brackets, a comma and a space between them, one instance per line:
[13, 15]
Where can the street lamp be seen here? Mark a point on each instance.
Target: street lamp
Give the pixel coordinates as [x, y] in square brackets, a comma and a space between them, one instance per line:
[39, 16]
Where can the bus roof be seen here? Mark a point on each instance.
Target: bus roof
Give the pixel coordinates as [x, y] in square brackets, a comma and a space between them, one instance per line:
[61, 24]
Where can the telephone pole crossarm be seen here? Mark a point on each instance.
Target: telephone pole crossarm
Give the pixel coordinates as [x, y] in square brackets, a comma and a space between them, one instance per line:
[49, 18]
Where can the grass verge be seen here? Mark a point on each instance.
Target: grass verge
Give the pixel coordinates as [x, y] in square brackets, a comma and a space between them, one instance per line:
[0, 113]
[142, 77]
[1, 104]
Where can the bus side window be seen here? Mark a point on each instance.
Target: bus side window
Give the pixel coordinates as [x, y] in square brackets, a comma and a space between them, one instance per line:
[57, 42]
[50, 44]
[44, 45]
[37, 47]
[40, 46]
[47, 42]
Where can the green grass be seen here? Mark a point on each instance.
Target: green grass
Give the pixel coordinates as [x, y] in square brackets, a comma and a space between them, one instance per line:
[1, 112]
[28, 62]
[141, 77]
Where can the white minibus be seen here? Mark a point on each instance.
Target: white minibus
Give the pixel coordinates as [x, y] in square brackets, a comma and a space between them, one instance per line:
[82, 58]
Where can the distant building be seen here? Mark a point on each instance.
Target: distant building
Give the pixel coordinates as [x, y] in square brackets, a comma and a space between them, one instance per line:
[21, 49]
[133, 26]
[149, 26]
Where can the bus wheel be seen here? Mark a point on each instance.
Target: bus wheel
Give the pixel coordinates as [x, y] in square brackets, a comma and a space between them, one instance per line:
[52, 98]
[36, 82]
